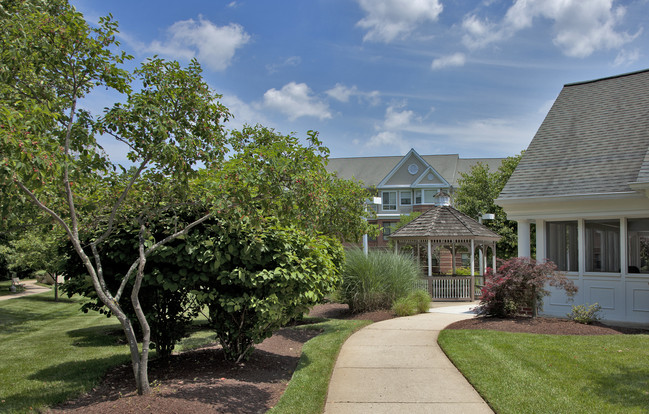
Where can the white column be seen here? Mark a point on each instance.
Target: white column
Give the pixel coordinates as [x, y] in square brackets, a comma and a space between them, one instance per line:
[493, 259]
[396, 247]
[581, 246]
[430, 259]
[541, 254]
[472, 257]
[453, 257]
[624, 265]
[365, 248]
[523, 238]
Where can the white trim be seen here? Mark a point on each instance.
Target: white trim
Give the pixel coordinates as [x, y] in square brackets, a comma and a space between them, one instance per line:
[503, 202]
[410, 153]
[417, 183]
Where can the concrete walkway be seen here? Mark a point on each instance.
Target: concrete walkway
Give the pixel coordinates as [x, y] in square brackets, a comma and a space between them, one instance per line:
[31, 288]
[396, 366]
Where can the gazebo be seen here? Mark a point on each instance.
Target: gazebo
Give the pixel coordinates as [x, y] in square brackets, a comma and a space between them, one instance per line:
[446, 227]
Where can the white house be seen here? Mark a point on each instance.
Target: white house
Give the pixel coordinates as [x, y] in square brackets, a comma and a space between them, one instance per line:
[584, 183]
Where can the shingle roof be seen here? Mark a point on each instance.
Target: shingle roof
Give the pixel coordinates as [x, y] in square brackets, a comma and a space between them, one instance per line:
[595, 139]
[371, 170]
[444, 222]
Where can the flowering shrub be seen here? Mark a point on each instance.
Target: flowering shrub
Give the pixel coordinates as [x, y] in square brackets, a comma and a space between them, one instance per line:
[520, 283]
[584, 314]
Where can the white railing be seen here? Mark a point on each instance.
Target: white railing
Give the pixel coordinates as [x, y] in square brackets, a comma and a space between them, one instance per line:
[450, 288]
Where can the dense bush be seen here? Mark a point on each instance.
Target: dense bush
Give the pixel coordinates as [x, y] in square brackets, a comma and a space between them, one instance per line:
[585, 314]
[520, 283]
[165, 293]
[262, 280]
[377, 280]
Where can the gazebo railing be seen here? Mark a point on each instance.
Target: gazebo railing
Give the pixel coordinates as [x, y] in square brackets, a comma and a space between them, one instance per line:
[450, 288]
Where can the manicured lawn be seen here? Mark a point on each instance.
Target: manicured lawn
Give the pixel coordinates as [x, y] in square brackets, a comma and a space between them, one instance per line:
[50, 351]
[528, 373]
[307, 391]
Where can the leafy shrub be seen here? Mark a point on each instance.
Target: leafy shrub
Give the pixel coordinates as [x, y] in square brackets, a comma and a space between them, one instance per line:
[584, 314]
[460, 271]
[520, 283]
[165, 296]
[261, 280]
[404, 307]
[375, 281]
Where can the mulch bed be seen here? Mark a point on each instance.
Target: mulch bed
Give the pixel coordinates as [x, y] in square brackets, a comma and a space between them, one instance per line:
[201, 381]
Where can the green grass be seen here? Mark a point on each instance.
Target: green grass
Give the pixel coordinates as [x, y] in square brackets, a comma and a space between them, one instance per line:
[307, 390]
[50, 351]
[526, 373]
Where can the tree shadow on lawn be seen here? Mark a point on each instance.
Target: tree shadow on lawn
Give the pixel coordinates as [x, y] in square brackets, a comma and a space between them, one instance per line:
[76, 376]
[627, 388]
[96, 336]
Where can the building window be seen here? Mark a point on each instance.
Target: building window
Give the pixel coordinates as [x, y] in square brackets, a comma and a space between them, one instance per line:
[389, 200]
[602, 245]
[561, 245]
[429, 196]
[638, 245]
[387, 230]
[418, 196]
[405, 198]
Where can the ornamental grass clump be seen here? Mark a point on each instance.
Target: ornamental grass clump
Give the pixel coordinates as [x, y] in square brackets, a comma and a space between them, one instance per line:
[520, 283]
[418, 301]
[377, 280]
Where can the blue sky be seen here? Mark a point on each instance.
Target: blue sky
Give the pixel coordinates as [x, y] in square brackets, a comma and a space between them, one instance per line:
[378, 77]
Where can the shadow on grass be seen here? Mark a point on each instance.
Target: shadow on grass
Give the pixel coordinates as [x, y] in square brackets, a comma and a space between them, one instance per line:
[98, 336]
[76, 376]
[629, 388]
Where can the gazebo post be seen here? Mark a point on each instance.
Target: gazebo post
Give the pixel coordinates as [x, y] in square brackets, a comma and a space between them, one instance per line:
[396, 247]
[430, 259]
[472, 257]
[453, 257]
[472, 270]
[493, 250]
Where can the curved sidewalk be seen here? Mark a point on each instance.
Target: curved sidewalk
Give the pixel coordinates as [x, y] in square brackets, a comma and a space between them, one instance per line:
[396, 366]
[31, 288]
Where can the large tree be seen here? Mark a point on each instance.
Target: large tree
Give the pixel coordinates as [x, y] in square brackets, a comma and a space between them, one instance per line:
[51, 157]
[51, 60]
[476, 194]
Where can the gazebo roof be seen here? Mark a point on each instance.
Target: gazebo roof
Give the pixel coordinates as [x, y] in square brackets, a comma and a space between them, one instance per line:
[445, 222]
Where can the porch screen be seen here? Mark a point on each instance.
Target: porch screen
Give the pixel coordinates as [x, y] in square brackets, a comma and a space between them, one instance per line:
[638, 245]
[561, 245]
[602, 245]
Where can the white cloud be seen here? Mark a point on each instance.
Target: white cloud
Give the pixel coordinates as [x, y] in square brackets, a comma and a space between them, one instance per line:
[456, 59]
[288, 62]
[387, 20]
[396, 119]
[212, 45]
[343, 93]
[389, 139]
[626, 57]
[296, 100]
[580, 27]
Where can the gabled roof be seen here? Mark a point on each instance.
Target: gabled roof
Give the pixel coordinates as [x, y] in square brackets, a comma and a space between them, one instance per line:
[372, 170]
[412, 171]
[445, 222]
[594, 140]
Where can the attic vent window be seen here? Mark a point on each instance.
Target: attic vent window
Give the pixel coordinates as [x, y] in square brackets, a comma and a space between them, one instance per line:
[413, 168]
[430, 177]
